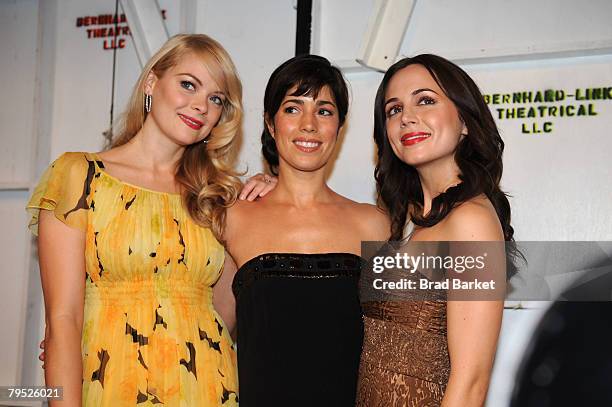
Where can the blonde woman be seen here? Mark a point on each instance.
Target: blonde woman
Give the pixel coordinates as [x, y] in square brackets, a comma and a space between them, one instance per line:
[128, 242]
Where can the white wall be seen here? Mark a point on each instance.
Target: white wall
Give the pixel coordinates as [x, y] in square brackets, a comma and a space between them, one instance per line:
[18, 22]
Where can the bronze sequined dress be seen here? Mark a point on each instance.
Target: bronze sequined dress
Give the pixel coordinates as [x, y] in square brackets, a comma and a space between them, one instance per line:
[405, 360]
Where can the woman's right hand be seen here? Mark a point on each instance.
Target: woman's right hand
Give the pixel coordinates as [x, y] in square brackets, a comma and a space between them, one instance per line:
[258, 186]
[41, 357]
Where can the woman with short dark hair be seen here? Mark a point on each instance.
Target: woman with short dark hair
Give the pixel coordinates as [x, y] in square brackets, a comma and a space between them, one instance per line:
[298, 312]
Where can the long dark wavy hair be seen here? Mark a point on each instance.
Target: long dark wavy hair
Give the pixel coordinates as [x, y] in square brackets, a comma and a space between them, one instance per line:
[308, 74]
[478, 155]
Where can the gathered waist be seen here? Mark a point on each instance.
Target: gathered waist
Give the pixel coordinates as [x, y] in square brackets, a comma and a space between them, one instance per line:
[132, 292]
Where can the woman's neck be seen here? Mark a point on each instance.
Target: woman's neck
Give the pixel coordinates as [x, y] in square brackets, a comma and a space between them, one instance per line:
[301, 188]
[154, 151]
[435, 179]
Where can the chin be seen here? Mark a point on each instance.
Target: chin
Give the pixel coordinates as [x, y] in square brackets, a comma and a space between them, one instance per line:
[308, 167]
[187, 140]
[416, 161]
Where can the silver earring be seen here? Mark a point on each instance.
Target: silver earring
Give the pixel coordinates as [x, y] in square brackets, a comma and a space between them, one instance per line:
[147, 102]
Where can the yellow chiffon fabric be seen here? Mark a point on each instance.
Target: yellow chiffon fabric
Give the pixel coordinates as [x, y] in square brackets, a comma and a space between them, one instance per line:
[150, 333]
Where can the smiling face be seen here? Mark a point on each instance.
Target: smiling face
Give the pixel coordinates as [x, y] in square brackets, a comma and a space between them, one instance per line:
[187, 101]
[305, 130]
[422, 123]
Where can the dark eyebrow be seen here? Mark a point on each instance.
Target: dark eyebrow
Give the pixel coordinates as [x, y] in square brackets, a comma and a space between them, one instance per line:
[390, 100]
[325, 102]
[414, 93]
[301, 102]
[194, 78]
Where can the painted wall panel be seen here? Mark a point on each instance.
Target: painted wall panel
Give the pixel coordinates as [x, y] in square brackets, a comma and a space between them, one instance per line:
[13, 284]
[18, 22]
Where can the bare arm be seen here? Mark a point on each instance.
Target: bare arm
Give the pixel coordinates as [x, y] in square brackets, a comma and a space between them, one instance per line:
[473, 326]
[223, 296]
[62, 268]
[473, 330]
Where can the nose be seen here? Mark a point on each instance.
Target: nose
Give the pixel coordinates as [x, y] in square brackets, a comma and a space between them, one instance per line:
[200, 105]
[408, 117]
[308, 123]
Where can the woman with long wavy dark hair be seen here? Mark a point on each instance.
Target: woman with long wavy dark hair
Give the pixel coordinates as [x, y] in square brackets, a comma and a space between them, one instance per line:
[438, 173]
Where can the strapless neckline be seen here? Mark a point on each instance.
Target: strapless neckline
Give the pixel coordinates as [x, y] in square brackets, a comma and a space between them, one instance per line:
[297, 265]
[267, 255]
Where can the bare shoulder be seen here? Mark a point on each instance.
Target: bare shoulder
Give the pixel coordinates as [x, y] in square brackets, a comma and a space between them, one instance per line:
[117, 156]
[239, 214]
[375, 222]
[239, 210]
[474, 220]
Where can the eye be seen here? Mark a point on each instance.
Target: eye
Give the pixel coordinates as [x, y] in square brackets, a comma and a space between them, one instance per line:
[290, 109]
[217, 100]
[326, 112]
[426, 100]
[187, 85]
[394, 110]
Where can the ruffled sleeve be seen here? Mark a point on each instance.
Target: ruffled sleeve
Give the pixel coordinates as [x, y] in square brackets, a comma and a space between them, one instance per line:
[64, 188]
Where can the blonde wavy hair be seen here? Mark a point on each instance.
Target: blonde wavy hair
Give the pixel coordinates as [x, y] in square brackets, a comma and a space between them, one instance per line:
[205, 172]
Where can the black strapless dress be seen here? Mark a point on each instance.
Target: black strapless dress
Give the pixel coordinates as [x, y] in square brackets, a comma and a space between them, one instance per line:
[299, 329]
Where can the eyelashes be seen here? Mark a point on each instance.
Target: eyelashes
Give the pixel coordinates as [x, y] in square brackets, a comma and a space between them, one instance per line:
[426, 100]
[190, 86]
[216, 100]
[321, 112]
[421, 101]
[394, 110]
[187, 85]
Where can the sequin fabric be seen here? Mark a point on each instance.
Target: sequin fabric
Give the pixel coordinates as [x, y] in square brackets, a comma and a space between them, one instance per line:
[296, 265]
[405, 359]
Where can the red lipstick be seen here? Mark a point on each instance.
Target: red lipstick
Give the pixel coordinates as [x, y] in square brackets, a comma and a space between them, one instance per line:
[191, 122]
[410, 139]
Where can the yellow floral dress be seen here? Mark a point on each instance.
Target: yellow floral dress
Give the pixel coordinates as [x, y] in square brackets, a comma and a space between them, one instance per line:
[150, 333]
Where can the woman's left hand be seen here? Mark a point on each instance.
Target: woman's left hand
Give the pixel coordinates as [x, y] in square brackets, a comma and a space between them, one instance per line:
[258, 186]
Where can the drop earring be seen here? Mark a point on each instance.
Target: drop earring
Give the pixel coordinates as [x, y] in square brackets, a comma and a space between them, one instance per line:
[148, 99]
